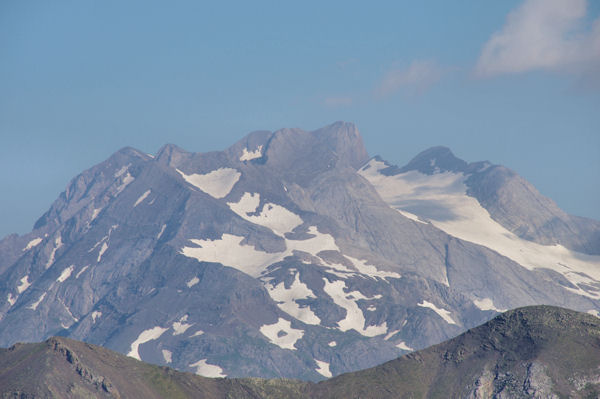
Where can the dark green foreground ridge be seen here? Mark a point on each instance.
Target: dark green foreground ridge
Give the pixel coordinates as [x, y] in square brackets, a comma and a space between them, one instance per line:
[531, 352]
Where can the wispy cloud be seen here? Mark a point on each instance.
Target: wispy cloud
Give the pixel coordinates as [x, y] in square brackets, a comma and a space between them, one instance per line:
[419, 76]
[543, 35]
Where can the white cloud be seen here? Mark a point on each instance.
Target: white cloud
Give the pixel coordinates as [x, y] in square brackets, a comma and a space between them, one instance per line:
[416, 78]
[543, 35]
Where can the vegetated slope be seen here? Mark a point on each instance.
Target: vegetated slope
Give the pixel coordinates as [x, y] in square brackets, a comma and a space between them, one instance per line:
[64, 368]
[290, 254]
[532, 352]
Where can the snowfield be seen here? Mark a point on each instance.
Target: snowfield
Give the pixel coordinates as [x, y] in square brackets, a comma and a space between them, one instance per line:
[442, 200]
[217, 183]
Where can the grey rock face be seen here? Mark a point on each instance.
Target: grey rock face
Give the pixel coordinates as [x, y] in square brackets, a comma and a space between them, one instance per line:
[277, 257]
[517, 205]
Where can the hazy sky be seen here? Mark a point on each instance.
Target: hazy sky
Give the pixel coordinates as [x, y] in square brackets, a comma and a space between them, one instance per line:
[513, 82]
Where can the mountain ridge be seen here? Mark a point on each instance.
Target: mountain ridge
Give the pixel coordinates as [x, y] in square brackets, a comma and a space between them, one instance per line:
[537, 351]
[287, 253]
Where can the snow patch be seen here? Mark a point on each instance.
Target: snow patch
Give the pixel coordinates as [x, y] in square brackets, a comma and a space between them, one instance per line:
[125, 181]
[332, 344]
[34, 305]
[207, 370]
[103, 249]
[487, 304]
[145, 336]
[217, 183]
[142, 198]
[355, 319]
[443, 313]
[57, 244]
[95, 213]
[323, 368]
[193, 282]
[411, 216]
[370, 270]
[286, 300]
[81, 271]
[32, 243]
[120, 172]
[162, 230]
[282, 334]
[65, 274]
[402, 345]
[95, 315]
[179, 327]
[11, 300]
[593, 312]
[391, 334]
[167, 355]
[24, 284]
[272, 216]
[249, 155]
[197, 333]
[229, 251]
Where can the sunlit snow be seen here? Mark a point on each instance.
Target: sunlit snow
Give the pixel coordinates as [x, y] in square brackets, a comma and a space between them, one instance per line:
[249, 155]
[272, 216]
[65, 274]
[286, 300]
[103, 249]
[162, 230]
[193, 282]
[145, 336]
[83, 269]
[11, 300]
[229, 251]
[167, 355]
[282, 334]
[391, 334]
[57, 244]
[24, 284]
[441, 199]
[34, 305]
[95, 213]
[125, 181]
[217, 183]
[487, 304]
[32, 243]
[332, 344]
[402, 345]
[142, 198]
[95, 315]
[207, 370]
[120, 172]
[355, 319]
[323, 368]
[370, 270]
[179, 327]
[443, 313]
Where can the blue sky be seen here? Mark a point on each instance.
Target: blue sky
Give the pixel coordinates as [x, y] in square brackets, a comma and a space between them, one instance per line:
[513, 82]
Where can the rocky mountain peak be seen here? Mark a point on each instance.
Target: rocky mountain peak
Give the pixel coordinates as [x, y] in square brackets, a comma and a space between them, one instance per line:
[171, 155]
[435, 160]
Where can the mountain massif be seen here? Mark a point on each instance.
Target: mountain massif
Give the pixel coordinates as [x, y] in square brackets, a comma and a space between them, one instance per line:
[533, 352]
[290, 254]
